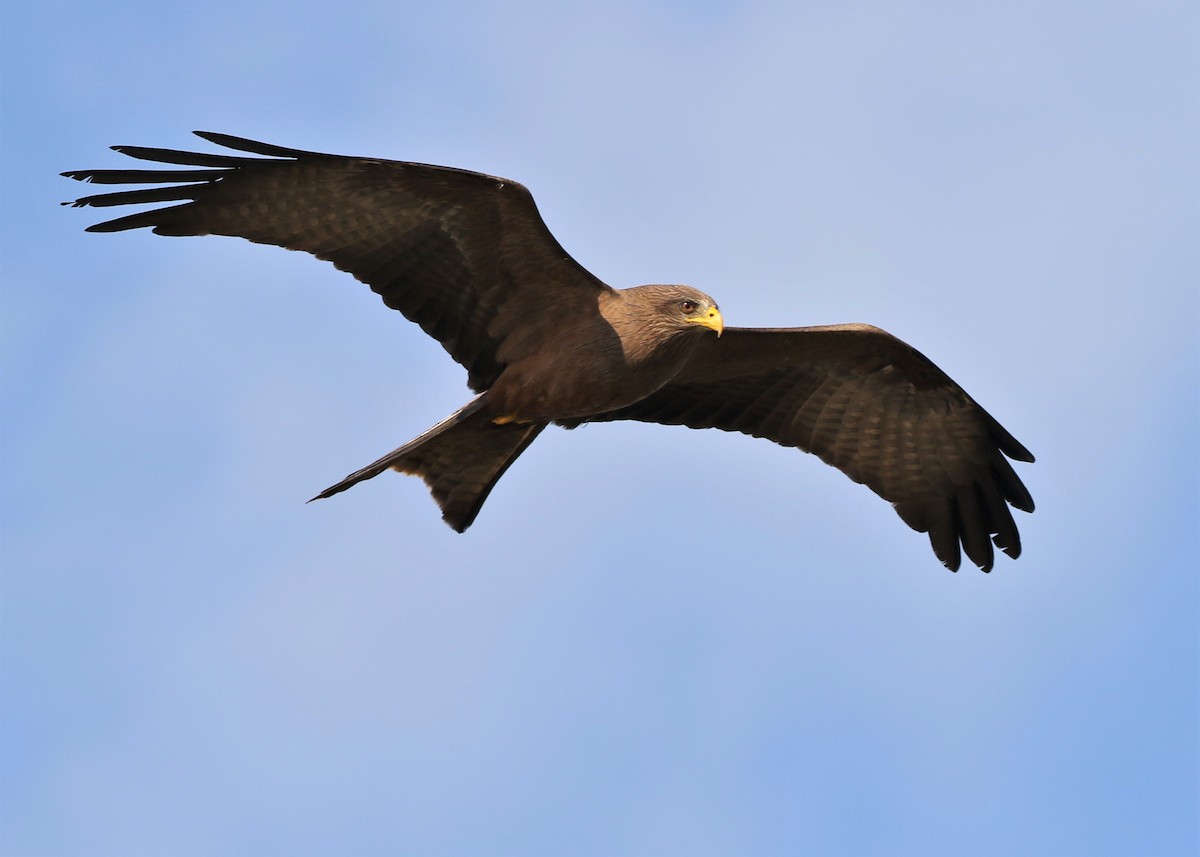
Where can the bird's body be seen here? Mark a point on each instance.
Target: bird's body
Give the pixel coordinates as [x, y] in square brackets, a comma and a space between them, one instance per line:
[611, 364]
[468, 258]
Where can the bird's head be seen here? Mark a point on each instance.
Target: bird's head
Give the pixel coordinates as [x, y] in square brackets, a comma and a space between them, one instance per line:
[687, 306]
[656, 323]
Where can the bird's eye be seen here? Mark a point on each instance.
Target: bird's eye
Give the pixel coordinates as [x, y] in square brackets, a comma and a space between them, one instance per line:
[687, 306]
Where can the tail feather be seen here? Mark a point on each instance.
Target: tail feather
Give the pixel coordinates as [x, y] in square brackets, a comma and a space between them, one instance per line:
[461, 459]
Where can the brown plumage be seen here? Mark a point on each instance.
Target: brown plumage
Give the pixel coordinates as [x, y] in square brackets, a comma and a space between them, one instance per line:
[467, 257]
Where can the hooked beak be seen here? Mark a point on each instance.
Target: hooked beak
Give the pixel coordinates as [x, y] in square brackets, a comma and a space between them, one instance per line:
[710, 319]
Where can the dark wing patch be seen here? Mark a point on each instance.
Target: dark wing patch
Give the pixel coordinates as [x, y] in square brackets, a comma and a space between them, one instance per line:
[464, 255]
[871, 406]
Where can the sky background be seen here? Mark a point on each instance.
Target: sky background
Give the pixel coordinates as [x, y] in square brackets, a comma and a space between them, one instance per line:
[653, 641]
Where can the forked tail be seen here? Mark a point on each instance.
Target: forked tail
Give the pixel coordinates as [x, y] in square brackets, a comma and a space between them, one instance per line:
[460, 459]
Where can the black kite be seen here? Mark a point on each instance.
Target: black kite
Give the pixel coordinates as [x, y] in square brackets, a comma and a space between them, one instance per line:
[467, 257]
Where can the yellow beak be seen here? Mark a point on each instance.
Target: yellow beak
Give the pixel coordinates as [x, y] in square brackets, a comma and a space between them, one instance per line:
[711, 319]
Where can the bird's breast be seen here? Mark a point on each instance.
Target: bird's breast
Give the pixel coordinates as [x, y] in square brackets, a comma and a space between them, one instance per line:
[581, 383]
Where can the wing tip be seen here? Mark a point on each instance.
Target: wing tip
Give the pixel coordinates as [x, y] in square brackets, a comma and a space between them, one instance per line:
[254, 147]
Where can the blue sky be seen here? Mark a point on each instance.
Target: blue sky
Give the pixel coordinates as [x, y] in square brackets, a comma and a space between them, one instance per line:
[653, 641]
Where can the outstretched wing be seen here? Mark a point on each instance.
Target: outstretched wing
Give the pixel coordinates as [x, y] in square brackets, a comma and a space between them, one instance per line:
[873, 407]
[464, 255]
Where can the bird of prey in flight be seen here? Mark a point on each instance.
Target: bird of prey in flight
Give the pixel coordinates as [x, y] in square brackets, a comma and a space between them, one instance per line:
[468, 258]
